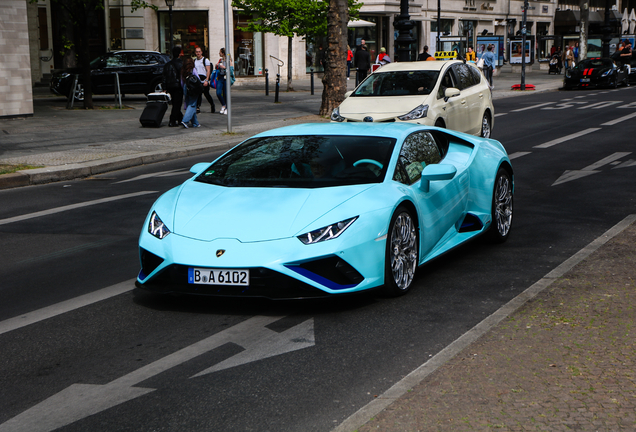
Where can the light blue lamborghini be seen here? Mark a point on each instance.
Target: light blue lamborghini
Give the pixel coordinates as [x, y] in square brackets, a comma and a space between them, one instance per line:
[325, 209]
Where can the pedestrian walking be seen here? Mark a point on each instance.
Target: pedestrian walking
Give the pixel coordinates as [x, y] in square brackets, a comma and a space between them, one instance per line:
[171, 79]
[192, 89]
[349, 60]
[470, 54]
[568, 57]
[204, 70]
[362, 60]
[223, 69]
[383, 58]
[489, 63]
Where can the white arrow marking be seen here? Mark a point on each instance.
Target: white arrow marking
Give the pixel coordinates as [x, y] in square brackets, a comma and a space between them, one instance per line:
[629, 163]
[82, 400]
[589, 170]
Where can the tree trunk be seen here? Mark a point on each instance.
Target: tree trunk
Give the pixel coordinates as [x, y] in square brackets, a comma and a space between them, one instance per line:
[335, 77]
[585, 14]
[289, 64]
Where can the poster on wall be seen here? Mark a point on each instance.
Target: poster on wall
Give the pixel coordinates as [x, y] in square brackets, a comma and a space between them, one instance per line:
[516, 51]
[498, 47]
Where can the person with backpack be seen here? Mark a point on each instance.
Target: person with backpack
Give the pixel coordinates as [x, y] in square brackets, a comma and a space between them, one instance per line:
[192, 89]
[172, 84]
[203, 68]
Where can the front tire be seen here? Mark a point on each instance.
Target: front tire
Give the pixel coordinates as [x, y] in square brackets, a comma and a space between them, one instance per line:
[79, 92]
[502, 200]
[402, 253]
[486, 126]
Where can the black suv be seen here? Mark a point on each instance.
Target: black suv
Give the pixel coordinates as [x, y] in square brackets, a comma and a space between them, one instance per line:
[139, 73]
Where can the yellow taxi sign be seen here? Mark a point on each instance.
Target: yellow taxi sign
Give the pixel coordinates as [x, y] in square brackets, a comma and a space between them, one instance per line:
[445, 55]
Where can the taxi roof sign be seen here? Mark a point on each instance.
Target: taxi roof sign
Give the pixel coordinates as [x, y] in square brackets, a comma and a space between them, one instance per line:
[446, 55]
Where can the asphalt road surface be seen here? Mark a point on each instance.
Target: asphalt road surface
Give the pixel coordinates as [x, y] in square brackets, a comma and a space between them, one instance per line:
[83, 350]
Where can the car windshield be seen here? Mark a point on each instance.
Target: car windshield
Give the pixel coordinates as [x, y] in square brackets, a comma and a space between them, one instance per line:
[595, 63]
[399, 83]
[302, 162]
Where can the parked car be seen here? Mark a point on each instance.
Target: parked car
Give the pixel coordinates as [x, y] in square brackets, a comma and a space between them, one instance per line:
[595, 72]
[320, 210]
[139, 73]
[450, 94]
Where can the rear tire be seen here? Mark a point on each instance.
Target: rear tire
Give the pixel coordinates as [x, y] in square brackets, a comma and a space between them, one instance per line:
[402, 253]
[502, 199]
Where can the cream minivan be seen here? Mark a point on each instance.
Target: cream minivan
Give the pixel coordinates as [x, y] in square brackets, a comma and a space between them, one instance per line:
[450, 94]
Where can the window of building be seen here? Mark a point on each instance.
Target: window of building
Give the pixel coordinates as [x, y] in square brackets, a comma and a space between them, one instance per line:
[248, 49]
[190, 30]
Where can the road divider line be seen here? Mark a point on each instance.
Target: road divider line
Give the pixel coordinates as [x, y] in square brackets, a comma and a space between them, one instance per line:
[65, 306]
[399, 389]
[620, 119]
[72, 207]
[518, 155]
[533, 107]
[567, 138]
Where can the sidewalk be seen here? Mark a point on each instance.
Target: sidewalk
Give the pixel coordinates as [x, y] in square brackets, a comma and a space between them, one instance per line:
[564, 361]
[82, 143]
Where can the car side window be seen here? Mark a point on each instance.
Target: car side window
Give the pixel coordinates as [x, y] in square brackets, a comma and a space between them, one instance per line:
[447, 82]
[139, 59]
[476, 74]
[419, 149]
[464, 76]
[116, 60]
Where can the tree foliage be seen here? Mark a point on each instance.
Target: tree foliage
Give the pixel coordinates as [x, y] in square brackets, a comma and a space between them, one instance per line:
[289, 18]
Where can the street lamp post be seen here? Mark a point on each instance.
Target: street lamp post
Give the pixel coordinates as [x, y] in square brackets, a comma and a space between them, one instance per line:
[404, 25]
[170, 3]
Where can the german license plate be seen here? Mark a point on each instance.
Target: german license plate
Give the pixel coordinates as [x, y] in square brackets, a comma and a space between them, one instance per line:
[230, 277]
[585, 80]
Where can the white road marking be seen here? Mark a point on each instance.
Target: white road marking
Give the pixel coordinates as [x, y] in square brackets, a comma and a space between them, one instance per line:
[71, 207]
[399, 389]
[157, 174]
[620, 119]
[588, 170]
[566, 138]
[600, 105]
[65, 306]
[500, 114]
[82, 400]
[518, 155]
[533, 107]
[629, 105]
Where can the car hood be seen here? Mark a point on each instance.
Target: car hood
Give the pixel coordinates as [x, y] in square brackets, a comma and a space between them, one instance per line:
[380, 107]
[207, 212]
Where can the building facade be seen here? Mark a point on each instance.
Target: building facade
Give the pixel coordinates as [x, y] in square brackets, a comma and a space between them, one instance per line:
[442, 25]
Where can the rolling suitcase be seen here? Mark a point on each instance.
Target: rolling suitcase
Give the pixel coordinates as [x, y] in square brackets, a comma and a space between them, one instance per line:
[156, 107]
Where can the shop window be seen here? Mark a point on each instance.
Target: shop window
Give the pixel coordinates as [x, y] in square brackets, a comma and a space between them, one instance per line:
[190, 30]
[248, 49]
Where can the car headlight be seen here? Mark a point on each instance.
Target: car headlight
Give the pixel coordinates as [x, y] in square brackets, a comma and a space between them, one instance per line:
[335, 115]
[156, 227]
[609, 72]
[326, 233]
[417, 113]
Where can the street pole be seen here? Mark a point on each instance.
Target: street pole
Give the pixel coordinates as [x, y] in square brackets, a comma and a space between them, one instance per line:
[228, 79]
[523, 45]
[404, 25]
[606, 37]
[171, 33]
[439, 24]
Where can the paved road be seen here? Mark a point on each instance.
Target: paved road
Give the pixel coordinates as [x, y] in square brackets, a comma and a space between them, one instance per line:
[151, 352]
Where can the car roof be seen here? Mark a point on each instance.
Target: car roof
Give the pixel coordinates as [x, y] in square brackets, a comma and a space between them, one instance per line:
[134, 51]
[418, 65]
[394, 130]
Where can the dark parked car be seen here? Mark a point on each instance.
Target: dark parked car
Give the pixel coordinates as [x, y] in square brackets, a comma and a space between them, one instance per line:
[139, 73]
[595, 72]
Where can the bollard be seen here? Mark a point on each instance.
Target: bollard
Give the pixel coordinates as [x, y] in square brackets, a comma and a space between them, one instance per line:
[266, 82]
[277, 88]
[311, 73]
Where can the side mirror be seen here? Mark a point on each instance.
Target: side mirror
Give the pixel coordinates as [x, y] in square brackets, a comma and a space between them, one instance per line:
[436, 172]
[451, 92]
[198, 168]
[347, 94]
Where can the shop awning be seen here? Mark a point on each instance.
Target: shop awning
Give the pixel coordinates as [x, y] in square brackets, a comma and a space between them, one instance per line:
[360, 23]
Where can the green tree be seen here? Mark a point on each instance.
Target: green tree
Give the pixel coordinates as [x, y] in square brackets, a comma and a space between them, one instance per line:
[82, 14]
[289, 18]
